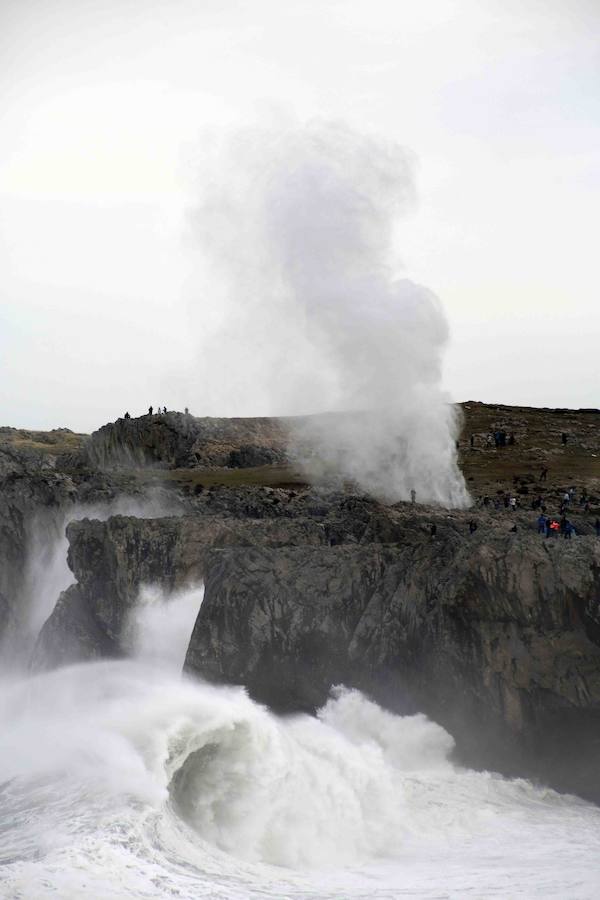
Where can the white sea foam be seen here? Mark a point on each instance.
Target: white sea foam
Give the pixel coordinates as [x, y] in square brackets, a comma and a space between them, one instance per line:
[160, 625]
[126, 780]
[121, 779]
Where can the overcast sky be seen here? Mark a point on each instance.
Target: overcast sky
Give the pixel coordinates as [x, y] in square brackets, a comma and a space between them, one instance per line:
[104, 109]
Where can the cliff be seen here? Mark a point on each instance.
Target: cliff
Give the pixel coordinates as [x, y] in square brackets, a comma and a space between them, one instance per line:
[495, 634]
[174, 440]
[42, 482]
[112, 560]
[497, 639]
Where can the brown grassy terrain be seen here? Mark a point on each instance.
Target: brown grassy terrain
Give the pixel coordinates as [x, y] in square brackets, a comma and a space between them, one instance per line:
[537, 445]
[267, 476]
[488, 470]
[53, 443]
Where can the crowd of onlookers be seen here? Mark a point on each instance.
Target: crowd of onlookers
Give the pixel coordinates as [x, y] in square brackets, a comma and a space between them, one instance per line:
[547, 524]
[502, 438]
[158, 411]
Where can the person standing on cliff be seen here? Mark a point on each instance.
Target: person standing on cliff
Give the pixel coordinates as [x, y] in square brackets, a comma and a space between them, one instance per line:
[563, 524]
[149, 410]
[541, 523]
[413, 496]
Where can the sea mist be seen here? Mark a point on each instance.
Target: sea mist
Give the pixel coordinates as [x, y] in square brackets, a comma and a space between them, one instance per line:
[307, 315]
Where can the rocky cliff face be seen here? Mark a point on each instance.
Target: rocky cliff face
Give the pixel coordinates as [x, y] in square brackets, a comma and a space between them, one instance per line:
[112, 560]
[175, 439]
[496, 640]
[31, 494]
[42, 481]
[495, 635]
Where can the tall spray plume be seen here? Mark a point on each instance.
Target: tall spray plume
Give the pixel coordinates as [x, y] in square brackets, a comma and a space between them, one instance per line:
[296, 230]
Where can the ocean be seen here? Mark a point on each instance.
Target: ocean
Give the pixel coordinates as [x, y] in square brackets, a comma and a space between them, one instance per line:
[126, 779]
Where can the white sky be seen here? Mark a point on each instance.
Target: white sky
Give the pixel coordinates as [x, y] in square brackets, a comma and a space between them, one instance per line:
[103, 110]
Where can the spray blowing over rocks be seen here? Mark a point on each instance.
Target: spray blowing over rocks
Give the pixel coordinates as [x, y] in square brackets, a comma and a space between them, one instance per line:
[295, 233]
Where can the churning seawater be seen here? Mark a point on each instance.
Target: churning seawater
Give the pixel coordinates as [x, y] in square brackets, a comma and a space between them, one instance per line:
[126, 780]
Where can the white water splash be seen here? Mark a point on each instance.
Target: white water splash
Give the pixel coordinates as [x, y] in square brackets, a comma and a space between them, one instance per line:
[47, 573]
[160, 625]
[125, 780]
[120, 779]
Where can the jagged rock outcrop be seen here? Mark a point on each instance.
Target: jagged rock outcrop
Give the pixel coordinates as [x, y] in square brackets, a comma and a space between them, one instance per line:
[26, 496]
[175, 439]
[36, 494]
[496, 640]
[112, 560]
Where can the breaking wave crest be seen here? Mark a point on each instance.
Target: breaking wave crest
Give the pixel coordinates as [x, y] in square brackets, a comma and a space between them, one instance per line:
[123, 779]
